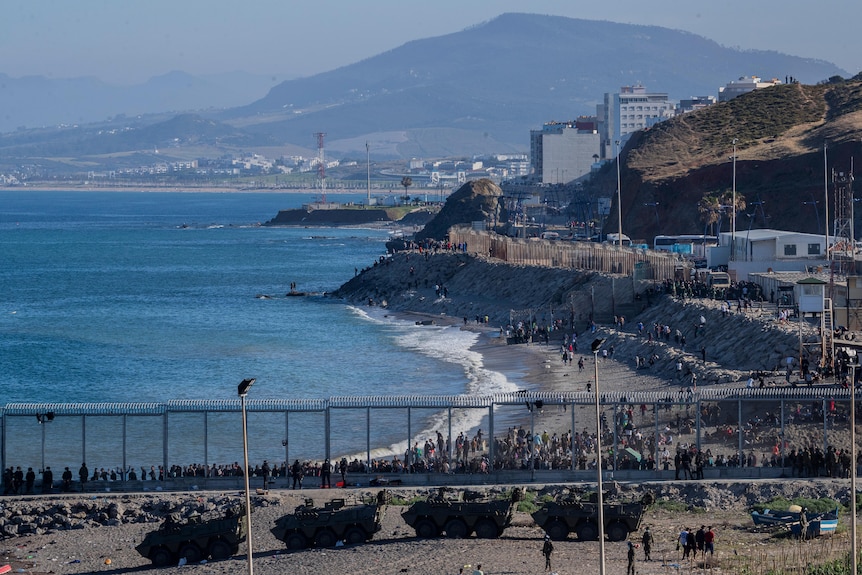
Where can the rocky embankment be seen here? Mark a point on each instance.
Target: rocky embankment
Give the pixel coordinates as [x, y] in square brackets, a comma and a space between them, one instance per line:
[735, 344]
[39, 515]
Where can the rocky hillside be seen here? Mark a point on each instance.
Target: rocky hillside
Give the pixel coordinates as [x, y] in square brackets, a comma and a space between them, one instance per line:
[736, 344]
[780, 135]
[477, 200]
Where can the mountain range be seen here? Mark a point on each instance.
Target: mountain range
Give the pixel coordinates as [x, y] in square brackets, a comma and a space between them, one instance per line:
[476, 91]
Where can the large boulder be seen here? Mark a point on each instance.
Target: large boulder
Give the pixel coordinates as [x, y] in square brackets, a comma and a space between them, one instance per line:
[477, 200]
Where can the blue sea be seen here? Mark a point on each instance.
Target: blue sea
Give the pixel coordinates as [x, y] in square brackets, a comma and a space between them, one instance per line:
[155, 296]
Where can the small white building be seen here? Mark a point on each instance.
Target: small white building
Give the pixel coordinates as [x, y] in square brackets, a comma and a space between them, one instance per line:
[767, 249]
[744, 85]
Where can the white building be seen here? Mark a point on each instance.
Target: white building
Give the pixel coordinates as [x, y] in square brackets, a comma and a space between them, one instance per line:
[744, 85]
[767, 249]
[630, 110]
[563, 151]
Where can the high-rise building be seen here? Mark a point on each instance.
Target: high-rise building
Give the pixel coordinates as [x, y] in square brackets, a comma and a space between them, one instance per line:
[564, 151]
[630, 110]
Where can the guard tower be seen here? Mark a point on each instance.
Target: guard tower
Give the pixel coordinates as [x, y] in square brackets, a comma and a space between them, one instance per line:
[812, 303]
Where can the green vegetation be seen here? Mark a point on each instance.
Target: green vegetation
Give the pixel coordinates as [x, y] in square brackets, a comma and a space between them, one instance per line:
[821, 505]
[675, 507]
[532, 502]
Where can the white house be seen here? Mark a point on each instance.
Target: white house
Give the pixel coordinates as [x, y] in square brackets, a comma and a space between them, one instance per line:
[767, 249]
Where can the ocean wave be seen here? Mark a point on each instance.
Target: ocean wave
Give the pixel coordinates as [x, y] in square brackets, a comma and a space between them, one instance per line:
[449, 344]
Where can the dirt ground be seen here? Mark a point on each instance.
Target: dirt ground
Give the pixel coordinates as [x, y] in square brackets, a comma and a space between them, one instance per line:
[740, 547]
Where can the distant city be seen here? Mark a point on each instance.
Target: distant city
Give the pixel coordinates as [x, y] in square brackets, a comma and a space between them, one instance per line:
[561, 153]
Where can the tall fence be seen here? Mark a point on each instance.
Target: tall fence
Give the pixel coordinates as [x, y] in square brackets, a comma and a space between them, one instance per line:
[607, 258]
[742, 428]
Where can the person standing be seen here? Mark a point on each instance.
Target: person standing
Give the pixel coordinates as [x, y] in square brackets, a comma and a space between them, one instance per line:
[47, 480]
[646, 540]
[67, 480]
[630, 567]
[325, 474]
[547, 549]
[709, 542]
[83, 474]
[296, 473]
[265, 471]
[30, 480]
[478, 570]
[700, 540]
[682, 543]
[342, 468]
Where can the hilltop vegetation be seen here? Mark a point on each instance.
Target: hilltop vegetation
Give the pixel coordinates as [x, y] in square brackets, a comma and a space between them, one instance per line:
[780, 133]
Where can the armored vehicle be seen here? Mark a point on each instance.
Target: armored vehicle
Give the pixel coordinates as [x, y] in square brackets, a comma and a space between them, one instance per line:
[325, 526]
[461, 516]
[195, 538]
[568, 514]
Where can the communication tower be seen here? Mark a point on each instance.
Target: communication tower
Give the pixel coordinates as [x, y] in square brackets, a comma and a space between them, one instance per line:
[844, 245]
[321, 167]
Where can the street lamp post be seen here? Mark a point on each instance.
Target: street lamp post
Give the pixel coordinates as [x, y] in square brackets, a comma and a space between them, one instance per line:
[619, 199]
[733, 207]
[242, 391]
[596, 345]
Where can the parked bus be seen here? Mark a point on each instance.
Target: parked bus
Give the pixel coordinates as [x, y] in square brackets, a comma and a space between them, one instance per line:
[685, 244]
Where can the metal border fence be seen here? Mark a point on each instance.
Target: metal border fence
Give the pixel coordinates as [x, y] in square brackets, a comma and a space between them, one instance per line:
[827, 396]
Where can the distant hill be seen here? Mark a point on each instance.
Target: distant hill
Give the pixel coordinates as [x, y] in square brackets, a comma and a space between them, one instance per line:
[502, 78]
[780, 134]
[37, 101]
[476, 91]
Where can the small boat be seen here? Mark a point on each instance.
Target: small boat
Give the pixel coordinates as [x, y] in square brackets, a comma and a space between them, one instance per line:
[775, 517]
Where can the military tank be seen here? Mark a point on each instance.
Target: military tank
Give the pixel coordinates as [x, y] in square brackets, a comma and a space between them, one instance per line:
[195, 538]
[570, 514]
[462, 515]
[325, 526]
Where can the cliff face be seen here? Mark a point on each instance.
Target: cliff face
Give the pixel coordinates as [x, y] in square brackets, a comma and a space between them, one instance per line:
[780, 133]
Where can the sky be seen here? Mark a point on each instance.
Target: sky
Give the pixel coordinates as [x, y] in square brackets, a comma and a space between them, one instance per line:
[129, 41]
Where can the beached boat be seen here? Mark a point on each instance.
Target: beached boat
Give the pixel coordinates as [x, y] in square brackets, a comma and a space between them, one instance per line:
[792, 516]
[776, 517]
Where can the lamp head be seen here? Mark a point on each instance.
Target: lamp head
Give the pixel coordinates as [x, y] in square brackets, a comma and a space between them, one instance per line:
[597, 343]
[244, 386]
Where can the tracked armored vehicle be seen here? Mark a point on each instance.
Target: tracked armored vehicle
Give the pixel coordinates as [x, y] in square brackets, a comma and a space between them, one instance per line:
[195, 538]
[461, 516]
[325, 526]
[568, 514]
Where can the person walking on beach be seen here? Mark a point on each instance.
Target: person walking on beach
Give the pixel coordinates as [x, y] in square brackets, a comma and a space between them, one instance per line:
[547, 549]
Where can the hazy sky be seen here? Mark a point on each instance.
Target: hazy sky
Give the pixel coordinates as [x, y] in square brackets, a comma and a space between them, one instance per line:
[128, 41]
